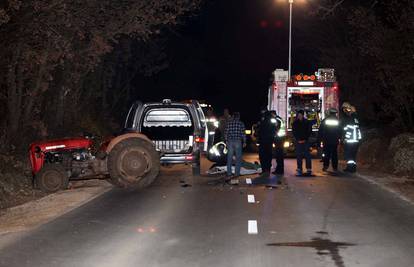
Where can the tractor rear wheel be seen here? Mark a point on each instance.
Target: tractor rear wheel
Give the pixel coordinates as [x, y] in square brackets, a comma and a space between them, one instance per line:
[52, 178]
[133, 163]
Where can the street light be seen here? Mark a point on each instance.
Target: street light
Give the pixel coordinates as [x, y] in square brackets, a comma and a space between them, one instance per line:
[290, 39]
[290, 36]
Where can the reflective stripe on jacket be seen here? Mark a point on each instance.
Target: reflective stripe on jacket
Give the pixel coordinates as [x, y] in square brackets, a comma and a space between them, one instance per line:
[352, 132]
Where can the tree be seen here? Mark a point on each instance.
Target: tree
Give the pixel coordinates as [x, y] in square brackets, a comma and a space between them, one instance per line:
[386, 38]
[374, 70]
[51, 47]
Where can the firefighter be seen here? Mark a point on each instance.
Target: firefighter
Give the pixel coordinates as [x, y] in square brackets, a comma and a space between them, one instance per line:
[351, 136]
[320, 148]
[278, 154]
[302, 130]
[267, 132]
[256, 127]
[329, 134]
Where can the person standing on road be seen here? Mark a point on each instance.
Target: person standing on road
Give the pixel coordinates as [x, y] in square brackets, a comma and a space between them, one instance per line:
[235, 138]
[266, 136]
[223, 123]
[328, 137]
[351, 136]
[302, 130]
[278, 154]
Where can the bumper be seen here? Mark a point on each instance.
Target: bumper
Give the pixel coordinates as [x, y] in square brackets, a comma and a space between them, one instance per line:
[179, 158]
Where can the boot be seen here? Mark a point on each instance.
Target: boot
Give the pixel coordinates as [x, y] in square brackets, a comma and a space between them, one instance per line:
[265, 174]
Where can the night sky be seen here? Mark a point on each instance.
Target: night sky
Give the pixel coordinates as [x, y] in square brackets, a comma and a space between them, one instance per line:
[226, 54]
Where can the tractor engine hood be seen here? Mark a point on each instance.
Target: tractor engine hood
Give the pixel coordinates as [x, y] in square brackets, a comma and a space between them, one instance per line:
[61, 144]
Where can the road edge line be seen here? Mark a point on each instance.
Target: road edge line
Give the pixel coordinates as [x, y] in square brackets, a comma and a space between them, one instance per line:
[385, 188]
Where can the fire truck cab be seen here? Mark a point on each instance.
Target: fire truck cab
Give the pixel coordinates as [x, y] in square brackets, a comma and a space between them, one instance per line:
[313, 94]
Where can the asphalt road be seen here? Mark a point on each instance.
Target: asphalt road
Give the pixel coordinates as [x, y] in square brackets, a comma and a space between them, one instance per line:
[319, 221]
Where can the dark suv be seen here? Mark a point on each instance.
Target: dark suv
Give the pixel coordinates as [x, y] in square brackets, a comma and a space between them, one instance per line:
[178, 129]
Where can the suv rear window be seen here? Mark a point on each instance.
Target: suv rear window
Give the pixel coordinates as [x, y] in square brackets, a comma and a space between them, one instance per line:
[167, 117]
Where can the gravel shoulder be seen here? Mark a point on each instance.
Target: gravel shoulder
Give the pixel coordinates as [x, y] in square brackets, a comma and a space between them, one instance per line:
[402, 186]
[31, 214]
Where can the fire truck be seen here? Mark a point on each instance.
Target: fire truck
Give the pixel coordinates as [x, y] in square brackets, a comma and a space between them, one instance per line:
[313, 94]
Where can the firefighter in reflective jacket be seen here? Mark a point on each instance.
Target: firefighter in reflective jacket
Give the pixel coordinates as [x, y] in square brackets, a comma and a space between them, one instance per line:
[328, 136]
[351, 136]
[278, 154]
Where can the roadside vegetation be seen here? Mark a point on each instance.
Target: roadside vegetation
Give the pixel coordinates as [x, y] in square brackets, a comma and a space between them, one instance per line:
[373, 56]
[67, 66]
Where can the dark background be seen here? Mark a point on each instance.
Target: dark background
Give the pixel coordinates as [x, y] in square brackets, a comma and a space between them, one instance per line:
[226, 54]
[84, 72]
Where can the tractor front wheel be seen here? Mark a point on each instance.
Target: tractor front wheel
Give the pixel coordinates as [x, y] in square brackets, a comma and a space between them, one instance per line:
[51, 178]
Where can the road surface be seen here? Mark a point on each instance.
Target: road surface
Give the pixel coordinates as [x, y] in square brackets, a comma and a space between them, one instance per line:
[183, 221]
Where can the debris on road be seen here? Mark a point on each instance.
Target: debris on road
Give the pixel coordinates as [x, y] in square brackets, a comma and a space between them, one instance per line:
[271, 186]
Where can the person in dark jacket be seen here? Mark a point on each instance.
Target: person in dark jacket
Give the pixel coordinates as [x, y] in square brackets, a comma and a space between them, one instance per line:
[302, 130]
[266, 135]
[328, 136]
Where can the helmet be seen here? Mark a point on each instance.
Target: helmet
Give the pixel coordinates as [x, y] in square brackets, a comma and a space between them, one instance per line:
[346, 105]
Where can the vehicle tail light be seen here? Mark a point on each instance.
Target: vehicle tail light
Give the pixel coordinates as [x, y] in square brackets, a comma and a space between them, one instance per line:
[189, 158]
[199, 140]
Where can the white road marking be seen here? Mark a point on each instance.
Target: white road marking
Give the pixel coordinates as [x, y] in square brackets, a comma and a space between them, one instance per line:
[250, 199]
[248, 181]
[252, 227]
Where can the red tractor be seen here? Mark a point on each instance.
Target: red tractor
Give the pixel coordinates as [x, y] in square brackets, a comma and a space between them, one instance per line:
[128, 160]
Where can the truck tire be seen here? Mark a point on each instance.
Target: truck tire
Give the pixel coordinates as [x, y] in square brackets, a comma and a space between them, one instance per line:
[52, 178]
[133, 163]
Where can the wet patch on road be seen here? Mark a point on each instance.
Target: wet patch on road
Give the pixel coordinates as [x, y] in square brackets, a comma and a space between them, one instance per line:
[323, 247]
[322, 232]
